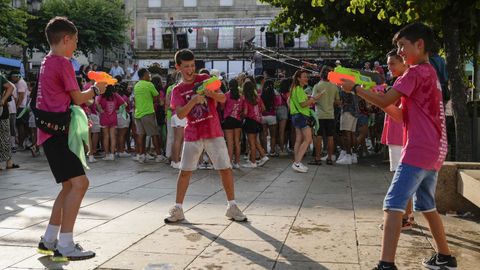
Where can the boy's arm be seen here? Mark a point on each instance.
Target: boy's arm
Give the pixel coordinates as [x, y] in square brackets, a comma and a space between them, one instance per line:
[385, 102]
[182, 112]
[217, 96]
[80, 97]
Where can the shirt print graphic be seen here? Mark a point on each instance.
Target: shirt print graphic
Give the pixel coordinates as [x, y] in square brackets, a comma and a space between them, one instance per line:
[199, 112]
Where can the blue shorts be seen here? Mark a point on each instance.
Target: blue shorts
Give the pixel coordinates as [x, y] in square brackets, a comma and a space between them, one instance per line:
[299, 121]
[411, 181]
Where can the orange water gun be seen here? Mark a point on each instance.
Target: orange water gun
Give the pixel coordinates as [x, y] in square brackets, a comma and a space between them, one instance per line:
[100, 76]
[212, 84]
[340, 73]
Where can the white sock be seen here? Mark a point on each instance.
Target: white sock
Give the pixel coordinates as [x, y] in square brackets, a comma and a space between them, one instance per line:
[51, 233]
[179, 205]
[65, 239]
[232, 202]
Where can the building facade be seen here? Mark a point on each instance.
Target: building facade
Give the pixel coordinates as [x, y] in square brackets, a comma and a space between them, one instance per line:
[216, 30]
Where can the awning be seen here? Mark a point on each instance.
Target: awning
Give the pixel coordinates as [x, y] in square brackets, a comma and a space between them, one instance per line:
[10, 62]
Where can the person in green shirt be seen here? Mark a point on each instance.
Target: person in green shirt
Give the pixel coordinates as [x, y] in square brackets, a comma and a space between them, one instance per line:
[145, 121]
[324, 112]
[300, 110]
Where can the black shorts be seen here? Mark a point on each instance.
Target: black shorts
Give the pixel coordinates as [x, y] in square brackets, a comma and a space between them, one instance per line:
[231, 123]
[251, 126]
[63, 162]
[326, 127]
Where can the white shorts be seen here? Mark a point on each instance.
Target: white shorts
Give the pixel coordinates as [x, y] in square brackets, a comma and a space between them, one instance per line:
[177, 122]
[95, 123]
[269, 120]
[123, 123]
[394, 152]
[216, 149]
[348, 122]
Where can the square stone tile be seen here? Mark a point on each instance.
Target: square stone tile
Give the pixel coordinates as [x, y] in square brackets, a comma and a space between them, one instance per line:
[146, 260]
[237, 254]
[259, 228]
[185, 239]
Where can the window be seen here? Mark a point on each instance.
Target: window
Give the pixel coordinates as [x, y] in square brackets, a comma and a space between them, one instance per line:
[154, 3]
[226, 3]
[189, 3]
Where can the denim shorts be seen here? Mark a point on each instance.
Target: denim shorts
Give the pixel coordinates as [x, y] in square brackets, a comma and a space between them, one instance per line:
[411, 181]
[299, 121]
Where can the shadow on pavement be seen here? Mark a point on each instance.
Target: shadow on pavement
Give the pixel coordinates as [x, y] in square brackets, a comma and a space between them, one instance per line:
[253, 256]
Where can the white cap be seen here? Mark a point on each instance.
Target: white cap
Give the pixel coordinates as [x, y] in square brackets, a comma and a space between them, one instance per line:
[338, 62]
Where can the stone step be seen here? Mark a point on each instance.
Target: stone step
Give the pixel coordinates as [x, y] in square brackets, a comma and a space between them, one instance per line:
[468, 185]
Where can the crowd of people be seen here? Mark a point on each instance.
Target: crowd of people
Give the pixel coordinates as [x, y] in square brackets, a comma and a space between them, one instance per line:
[190, 126]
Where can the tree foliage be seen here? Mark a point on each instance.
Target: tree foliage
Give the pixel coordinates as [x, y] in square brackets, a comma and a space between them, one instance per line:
[100, 23]
[13, 23]
[330, 18]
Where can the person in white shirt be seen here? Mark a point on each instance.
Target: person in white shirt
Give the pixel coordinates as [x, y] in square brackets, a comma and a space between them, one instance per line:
[20, 95]
[117, 70]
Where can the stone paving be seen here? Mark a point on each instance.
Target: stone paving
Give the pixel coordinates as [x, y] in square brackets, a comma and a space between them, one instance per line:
[325, 219]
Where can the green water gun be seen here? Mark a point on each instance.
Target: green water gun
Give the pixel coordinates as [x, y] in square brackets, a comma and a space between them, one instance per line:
[340, 73]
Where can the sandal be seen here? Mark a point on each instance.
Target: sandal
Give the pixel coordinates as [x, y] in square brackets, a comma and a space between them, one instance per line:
[315, 162]
[14, 166]
[329, 162]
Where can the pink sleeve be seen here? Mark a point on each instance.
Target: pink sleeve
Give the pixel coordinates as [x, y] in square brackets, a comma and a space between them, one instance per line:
[176, 99]
[407, 83]
[68, 77]
[119, 100]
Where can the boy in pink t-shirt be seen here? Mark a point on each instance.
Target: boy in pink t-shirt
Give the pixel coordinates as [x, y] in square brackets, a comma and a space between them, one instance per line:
[202, 132]
[425, 144]
[57, 88]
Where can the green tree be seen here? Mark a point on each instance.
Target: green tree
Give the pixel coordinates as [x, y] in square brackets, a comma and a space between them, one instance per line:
[13, 24]
[101, 23]
[373, 22]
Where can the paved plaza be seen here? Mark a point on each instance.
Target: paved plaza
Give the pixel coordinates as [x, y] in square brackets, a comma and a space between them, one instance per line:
[325, 219]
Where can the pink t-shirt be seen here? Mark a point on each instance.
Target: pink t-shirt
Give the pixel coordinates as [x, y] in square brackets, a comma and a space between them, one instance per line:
[254, 111]
[233, 108]
[56, 81]
[425, 137]
[392, 132]
[203, 121]
[108, 118]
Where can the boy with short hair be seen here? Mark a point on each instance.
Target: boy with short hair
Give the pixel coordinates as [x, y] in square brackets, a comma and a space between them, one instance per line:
[424, 148]
[57, 88]
[202, 132]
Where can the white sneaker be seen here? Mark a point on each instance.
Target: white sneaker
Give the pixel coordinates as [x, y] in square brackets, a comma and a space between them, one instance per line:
[249, 164]
[347, 160]
[299, 168]
[234, 213]
[150, 157]
[175, 214]
[142, 159]
[92, 159]
[326, 157]
[136, 157]
[74, 252]
[235, 165]
[109, 157]
[124, 154]
[342, 154]
[161, 158]
[354, 158]
[175, 165]
[262, 161]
